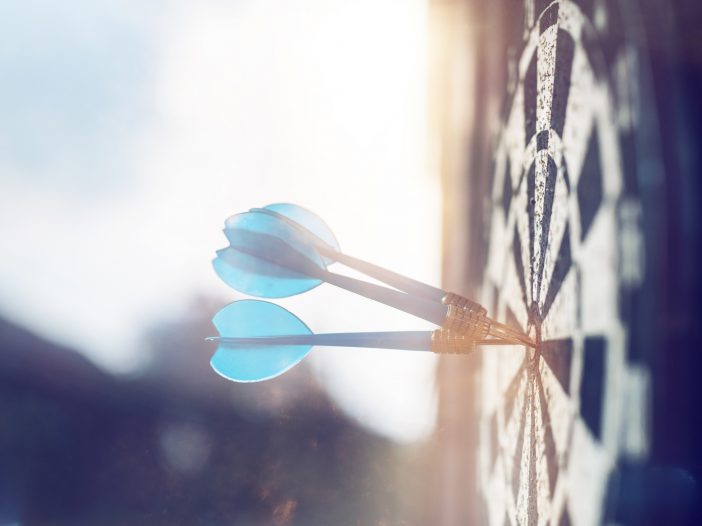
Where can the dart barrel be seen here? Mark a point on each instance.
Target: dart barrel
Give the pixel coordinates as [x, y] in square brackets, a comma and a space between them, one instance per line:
[444, 341]
[465, 317]
[467, 323]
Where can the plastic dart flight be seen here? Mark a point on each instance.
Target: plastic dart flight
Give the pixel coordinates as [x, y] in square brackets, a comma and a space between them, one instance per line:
[283, 250]
[261, 340]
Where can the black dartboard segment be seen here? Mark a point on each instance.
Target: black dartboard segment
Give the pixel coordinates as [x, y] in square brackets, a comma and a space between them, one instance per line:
[552, 418]
[590, 185]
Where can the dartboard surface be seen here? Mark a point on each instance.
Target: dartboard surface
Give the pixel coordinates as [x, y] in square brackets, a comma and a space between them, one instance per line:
[564, 253]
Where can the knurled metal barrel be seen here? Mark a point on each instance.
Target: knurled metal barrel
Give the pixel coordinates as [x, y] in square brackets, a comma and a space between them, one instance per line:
[465, 317]
[444, 341]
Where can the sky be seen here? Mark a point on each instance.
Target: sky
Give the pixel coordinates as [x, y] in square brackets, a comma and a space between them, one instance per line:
[131, 130]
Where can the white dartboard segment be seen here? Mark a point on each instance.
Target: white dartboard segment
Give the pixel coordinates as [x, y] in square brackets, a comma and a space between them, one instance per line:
[552, 419]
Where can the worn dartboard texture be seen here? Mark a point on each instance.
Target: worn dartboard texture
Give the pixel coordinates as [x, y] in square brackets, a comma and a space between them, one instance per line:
[564, 249]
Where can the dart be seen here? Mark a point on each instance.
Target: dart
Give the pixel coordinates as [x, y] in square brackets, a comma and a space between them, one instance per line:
[259, 340]
[245, 260]
[315, 232]
[284, 250]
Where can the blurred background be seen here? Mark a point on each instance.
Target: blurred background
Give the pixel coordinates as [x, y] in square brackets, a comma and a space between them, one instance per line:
[130, 131]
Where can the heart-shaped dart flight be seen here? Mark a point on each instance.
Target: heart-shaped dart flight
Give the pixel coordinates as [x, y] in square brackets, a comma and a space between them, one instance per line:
[260, 340]
[247, 272]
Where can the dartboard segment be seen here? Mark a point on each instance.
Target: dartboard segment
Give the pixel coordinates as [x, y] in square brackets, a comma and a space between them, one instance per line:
[549, 420]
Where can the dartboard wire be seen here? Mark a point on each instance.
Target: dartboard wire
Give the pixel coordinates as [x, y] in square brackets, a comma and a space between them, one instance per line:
[529, 412]
[509, 426]
[573, 161]
[527, 404]
[527, 457]
[592, 462]
[519, 455]
[584, 89]
[520, 251]
[519, 379]
[508, 448]
[570, 19]
[513, 275]
[607, 451]
[559, 402]
[553, 233]
[548, 466]
[561, 320]
[544, 122]
[531, 498]
[555, 470]
[604, 325]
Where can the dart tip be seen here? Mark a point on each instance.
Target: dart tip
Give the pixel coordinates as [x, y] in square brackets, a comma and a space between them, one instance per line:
[528, 342]
[508, 334]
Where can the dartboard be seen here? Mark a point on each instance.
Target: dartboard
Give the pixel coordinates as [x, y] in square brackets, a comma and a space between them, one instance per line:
[564, 253]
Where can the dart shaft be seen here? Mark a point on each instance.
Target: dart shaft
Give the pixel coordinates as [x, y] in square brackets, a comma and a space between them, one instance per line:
[394, 279]
[274, 250]
[433, 312]
[410, 340]
[398, 281]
